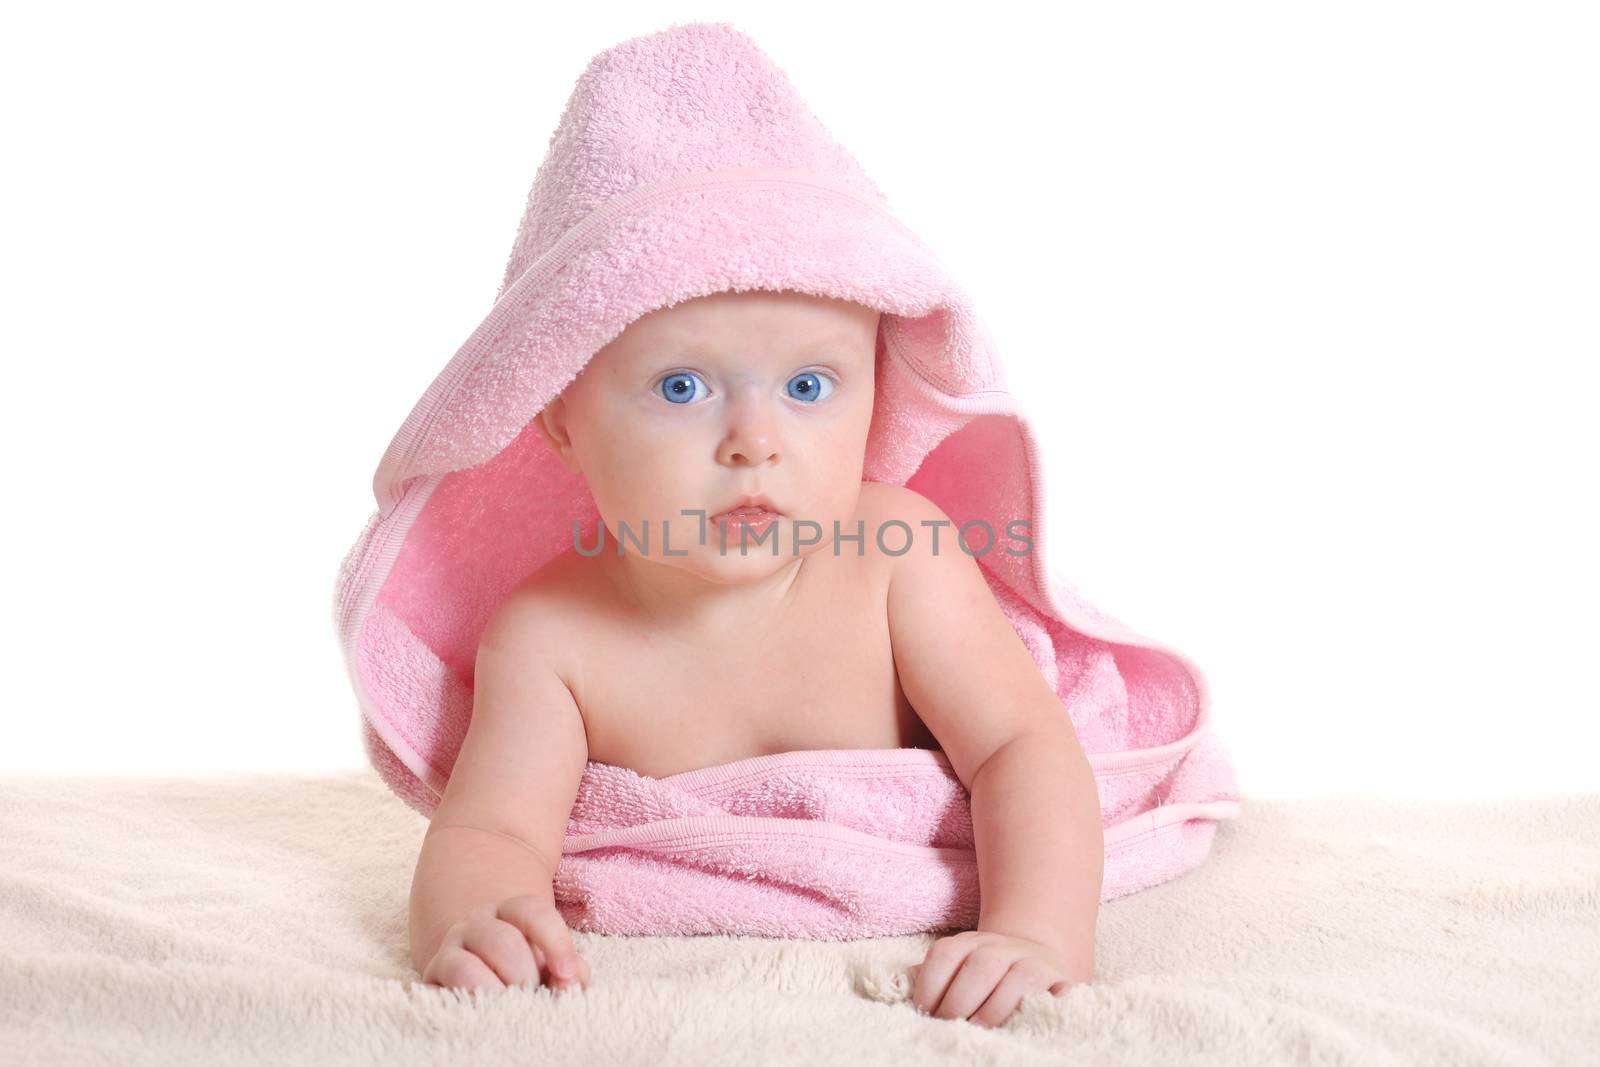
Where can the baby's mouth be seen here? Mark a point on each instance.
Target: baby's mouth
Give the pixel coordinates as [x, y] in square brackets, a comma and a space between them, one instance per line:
[753, 507]
[755, 520]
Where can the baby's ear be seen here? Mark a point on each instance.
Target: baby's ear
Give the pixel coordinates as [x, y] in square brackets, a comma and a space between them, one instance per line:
[552, 423]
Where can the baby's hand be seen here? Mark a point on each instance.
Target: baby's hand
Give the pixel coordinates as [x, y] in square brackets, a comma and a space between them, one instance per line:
[524, 940]
[995, 972]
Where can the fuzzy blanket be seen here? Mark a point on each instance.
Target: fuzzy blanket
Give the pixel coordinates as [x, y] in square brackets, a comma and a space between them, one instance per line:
[263, 920]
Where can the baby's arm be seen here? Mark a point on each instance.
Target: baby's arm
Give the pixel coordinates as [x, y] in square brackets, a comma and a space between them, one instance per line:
[482, 897]
[1035, 804]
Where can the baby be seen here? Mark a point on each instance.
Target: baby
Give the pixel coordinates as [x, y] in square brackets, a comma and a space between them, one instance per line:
[739, 602]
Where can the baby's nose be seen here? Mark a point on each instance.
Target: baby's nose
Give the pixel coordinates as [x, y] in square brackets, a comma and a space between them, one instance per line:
[751, 436]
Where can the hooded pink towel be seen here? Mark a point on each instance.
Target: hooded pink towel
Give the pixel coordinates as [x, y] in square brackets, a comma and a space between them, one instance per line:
[683, 165]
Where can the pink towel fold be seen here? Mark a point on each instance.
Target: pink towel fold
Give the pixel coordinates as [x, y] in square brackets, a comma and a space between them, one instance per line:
[686, 164]
[831, 844]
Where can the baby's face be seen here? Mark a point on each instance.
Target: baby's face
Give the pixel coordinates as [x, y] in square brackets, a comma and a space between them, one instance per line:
[696, 405]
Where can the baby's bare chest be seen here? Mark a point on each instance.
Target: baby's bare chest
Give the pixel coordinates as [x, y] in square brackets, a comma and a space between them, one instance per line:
[822, 676]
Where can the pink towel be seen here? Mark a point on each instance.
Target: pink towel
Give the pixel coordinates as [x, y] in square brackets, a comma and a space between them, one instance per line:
[686, 164]
[831, 844]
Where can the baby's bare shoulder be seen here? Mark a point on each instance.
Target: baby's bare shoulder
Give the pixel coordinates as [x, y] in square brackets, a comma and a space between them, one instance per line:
[884, 500]
[882, 503]
[547, 606]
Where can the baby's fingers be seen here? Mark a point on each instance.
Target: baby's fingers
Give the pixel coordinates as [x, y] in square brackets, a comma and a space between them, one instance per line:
[1018, 982]
[455, 967]
[547, 932]
[502, 948]
[579, 976]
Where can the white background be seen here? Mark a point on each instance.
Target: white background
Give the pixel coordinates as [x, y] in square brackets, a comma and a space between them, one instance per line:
[1303, 298]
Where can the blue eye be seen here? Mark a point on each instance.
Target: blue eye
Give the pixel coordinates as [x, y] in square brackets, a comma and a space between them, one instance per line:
[810, 386]
[679, 387]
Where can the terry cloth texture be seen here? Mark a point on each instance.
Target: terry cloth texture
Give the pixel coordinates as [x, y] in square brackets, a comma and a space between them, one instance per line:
[835, 844]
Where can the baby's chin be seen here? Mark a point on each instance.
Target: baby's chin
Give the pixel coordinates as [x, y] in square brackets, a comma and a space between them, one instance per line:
[731, 567]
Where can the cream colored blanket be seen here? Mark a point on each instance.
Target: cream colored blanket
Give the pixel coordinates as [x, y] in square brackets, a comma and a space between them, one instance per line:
[263, 920]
